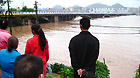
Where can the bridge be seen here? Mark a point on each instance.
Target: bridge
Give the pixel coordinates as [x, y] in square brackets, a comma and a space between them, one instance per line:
[58, 16]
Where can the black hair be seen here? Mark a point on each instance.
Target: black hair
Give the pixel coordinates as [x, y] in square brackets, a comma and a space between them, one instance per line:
[85, 22]
[28, 66]
[12, 43]
[3, 24]
[42, 40]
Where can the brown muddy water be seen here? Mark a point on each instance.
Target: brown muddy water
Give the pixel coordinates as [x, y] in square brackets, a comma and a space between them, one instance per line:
[119, 42]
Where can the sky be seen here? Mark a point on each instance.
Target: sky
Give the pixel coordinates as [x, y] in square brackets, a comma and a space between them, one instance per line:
[70, 3]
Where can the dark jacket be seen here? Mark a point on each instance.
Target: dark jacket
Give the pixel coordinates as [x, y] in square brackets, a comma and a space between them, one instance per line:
[84, 51]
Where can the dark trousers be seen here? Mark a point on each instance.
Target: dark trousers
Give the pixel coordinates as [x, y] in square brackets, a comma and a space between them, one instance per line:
[76, 74]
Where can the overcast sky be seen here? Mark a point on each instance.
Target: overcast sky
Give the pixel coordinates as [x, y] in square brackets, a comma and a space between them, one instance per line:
[69, 3]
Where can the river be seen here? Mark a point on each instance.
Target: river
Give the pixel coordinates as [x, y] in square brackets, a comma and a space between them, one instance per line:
[119, 42]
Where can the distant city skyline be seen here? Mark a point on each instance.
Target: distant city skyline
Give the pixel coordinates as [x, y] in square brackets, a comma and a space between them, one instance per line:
[70, 3]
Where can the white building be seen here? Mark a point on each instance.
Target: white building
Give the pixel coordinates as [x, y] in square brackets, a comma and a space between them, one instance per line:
[139, 11]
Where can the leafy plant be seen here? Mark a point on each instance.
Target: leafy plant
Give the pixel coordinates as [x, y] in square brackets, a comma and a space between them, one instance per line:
[56, 67]
[25, 9]
[137, 75]
[52, 75]
[13, 9]
[48, 76]
[67, 72]
[102, 70]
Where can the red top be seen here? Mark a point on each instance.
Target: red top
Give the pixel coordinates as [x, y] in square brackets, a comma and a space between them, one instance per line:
[33, 47]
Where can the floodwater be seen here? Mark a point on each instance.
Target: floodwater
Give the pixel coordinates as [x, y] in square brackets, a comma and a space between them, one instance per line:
[119, 42]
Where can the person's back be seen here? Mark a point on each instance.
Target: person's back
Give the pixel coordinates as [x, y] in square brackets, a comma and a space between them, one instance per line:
[84, 50]
[35, 47]
[7, 58]
[38, 45]
[4, 35]
[87, 47]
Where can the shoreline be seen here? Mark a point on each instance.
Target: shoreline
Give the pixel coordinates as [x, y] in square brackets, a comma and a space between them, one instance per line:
[121, 51]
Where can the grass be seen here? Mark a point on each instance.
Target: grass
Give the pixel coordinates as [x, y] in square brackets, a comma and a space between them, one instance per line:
[52, 75]
[74, 27]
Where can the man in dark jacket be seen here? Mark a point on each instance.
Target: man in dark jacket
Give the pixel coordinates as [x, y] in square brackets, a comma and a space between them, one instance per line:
[84, 50]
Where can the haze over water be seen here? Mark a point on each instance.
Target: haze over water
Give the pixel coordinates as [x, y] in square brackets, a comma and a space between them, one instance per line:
[119, 42]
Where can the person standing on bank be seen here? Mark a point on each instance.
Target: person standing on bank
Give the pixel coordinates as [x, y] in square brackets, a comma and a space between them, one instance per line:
[38, 45]
[84, 50]
[4, 35]
[7, 58]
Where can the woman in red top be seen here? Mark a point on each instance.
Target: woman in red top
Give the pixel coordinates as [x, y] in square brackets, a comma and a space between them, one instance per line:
[38, 45]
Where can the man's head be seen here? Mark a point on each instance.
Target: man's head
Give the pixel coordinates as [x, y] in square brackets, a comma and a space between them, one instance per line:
[3, 24]
[28, 66]
[85, 23]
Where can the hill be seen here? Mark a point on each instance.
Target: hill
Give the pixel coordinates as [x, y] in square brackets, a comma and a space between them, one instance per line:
[117, 5]
[97, 5]
[57, 7]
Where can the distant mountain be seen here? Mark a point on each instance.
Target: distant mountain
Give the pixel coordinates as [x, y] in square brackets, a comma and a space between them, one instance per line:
[77, 7]
[97, 5]
[58, 7]
[117, 5]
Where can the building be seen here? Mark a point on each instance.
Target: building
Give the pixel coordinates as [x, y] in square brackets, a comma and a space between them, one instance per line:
[138, 11]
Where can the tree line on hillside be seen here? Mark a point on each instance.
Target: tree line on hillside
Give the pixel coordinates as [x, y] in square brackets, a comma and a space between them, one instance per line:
[24, 9]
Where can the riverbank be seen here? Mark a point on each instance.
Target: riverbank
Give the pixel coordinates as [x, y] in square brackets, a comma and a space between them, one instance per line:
[119, 46]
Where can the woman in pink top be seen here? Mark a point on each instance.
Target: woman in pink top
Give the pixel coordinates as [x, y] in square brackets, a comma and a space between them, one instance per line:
[4, 35]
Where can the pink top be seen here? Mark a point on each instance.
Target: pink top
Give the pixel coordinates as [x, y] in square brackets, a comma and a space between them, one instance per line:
[4, 35]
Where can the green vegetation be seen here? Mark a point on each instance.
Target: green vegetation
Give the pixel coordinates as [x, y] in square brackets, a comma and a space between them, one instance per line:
[73, 27]
[137, 75]
[2, 2]
[102, 70]
[1, 10]
[25, 9]
[56, 68]
[62, 71]
[52, 75]
[13, 9]
[66, 72]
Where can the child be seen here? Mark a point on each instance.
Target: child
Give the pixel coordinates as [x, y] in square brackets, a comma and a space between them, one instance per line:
[28, 66]
[7, 58]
